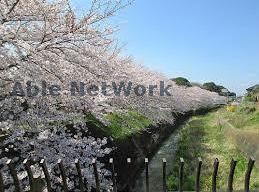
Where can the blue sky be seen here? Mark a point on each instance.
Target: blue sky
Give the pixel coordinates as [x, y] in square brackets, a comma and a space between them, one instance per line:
[203, 40]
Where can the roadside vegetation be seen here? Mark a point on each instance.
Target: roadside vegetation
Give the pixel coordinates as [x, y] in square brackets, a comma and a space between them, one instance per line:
[225, 133]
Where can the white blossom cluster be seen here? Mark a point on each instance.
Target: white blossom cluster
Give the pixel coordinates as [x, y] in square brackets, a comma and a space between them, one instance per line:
[46, 40]
[42, 132]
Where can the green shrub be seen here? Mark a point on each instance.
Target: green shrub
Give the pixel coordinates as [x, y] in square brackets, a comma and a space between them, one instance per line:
[181, 81]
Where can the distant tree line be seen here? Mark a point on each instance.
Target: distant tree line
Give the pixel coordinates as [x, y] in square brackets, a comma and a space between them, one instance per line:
[210, 86]
[181, 81]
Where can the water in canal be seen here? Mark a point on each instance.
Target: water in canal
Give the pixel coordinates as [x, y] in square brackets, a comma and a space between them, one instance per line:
[167, 150]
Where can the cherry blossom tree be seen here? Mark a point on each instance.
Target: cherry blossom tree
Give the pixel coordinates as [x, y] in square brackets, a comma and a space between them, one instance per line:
[47, 40]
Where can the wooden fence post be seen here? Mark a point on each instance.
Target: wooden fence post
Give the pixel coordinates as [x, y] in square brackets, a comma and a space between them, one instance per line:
[129, 160]
[248, 173]
[147, 175]
[13, 172]
[46, 174]
[96, 175]
[1, 182]
[113, 175]
[43, 165]
[80, 177]
[129, 168]
[214, 176]
[129, 163]
[231, 174]
[63, 175]
[181, 174]
[198, 175]
[30, 174]
[164, 175]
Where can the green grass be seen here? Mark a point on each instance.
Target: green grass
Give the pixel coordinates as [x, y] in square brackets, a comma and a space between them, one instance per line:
[120, 124]
[123, 124]
[254, 119]
[209, 136]
[245, 115]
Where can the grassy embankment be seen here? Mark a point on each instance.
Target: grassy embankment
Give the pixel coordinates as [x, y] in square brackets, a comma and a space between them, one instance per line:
[224, 135]
[120, 124]
[124, 124]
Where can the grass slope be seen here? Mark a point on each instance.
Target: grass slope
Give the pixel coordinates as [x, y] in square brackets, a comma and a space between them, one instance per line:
[123, 124]
[219, 134]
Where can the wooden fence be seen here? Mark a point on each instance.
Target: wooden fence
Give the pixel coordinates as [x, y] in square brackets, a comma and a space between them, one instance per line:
[83, 188]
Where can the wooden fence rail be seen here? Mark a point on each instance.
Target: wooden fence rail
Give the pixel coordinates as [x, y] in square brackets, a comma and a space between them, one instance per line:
[83, 185]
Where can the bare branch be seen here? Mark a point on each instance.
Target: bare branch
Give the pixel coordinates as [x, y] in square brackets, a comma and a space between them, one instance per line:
[13, 7]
